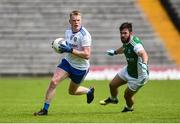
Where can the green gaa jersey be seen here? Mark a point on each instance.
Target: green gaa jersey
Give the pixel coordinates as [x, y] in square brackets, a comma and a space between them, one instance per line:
[130, 51]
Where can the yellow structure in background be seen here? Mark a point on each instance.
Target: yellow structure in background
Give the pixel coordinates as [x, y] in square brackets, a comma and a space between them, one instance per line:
[162, 24]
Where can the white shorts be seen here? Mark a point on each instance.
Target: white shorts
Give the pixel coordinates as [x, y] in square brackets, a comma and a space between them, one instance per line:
[133, 83]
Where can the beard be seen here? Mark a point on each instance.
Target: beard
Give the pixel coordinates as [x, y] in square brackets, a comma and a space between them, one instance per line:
[125, 40]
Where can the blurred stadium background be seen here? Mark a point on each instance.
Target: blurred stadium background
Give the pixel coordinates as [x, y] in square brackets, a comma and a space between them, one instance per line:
[28, 27]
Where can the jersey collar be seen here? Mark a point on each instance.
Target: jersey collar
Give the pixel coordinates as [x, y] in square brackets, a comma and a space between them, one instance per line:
[77, 31]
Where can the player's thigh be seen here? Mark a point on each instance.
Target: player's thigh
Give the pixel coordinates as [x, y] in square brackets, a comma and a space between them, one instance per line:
[59, 75]
[73, 86]
[77, 77]
[117, 81]
[136, 84]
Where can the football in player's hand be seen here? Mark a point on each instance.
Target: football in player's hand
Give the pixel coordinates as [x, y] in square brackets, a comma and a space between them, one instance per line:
[56, 43]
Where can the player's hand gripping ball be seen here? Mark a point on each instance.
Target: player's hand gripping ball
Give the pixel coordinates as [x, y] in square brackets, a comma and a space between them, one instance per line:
[57, 43]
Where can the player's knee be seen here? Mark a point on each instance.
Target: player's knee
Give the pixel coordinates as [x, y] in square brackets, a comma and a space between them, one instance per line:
[111, 85]
[53, 83]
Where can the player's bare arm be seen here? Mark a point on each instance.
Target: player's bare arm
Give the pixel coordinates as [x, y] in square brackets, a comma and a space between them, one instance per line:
[119, 50]
[143, 55]
[85, 53]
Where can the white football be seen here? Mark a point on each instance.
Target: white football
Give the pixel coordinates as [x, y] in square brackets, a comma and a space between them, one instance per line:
[56, 43]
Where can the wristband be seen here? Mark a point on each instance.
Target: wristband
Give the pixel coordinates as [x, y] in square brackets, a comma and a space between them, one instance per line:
[115, 53]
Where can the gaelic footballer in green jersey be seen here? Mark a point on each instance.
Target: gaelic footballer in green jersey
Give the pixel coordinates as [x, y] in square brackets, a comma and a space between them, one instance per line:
[135, 74]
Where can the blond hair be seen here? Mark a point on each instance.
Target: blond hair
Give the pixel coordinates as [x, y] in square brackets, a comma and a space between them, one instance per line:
[75, 12]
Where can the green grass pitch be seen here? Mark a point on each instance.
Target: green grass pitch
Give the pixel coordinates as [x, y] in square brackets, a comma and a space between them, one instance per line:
[157, 101]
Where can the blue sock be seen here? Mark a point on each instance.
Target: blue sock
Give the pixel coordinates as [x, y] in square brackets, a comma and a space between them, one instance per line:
[46, 106]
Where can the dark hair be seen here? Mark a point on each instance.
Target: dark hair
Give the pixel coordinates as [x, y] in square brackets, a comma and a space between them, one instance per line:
[126, 25]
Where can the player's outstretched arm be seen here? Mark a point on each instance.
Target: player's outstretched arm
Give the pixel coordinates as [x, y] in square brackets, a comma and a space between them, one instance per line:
[112, 52]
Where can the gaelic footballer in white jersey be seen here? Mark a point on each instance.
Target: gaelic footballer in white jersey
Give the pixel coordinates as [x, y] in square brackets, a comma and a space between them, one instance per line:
[77, 41]
[75, 65]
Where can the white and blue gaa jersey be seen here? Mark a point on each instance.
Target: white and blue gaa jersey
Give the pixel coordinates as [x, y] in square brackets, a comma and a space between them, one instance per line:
[77, 41]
